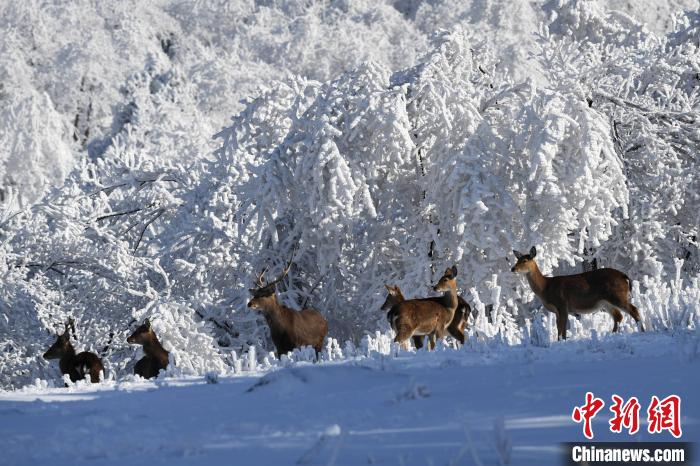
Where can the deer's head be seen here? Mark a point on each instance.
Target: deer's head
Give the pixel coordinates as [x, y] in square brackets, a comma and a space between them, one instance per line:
[142, 335]
[263, 295]
[526, 262]
[393, 297]
[448, 280]
[62, 345]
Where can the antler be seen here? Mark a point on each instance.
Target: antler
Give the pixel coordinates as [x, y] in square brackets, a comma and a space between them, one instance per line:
[259, 278]
[70, 324]
[286, 268]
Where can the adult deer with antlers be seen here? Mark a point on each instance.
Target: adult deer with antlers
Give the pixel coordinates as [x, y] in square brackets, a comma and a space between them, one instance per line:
[582, 293]
[428, 316]
[456, 327]
[289, 329]
[77, 366]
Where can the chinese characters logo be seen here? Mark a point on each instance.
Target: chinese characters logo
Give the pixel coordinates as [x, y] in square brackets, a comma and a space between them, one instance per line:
[662, 415]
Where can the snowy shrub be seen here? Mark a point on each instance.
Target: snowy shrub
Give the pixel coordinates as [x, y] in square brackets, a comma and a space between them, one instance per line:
[588, 22]
[75, 65]
[191, 347]
[34, 148]
[507, 26]
[670, 305]
[648, 94]
[498, 320]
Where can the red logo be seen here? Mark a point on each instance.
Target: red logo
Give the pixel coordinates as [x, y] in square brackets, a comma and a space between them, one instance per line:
[626, 415]
[587, 412]
[661, 415]
[665, 415]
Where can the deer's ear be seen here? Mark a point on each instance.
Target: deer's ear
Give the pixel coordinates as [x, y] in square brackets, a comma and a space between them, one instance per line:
[454, 271]
[147, 322]
[389, 288]
[518, 254]
[533, 252]
[252, 290]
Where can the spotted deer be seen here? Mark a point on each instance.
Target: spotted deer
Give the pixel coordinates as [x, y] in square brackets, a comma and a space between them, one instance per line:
[289, 329]
[456, 327]
[582, 293]
[428, 316]
[77, 366]
[155, 356]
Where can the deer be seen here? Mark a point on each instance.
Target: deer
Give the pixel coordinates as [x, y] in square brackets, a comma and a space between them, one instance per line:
[427, 316]
[155, 358]
[289, 328]
[77, 366]
[581, 293]
[456, 327]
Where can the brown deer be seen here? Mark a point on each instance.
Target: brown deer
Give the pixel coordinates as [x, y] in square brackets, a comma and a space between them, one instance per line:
[428, 316]
[156, 357]
[456, 327]
[582, 293]
[289, 329]
[77, 366]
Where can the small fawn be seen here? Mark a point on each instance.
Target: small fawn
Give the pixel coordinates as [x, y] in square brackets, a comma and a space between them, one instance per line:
[289, 329]
[581, 293]
[77, 366]
[156, 357]
[428, 316]
[456, 327]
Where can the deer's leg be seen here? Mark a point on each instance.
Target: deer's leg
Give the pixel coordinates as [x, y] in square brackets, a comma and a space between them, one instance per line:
[617, 318]
[461, 329]
[443, 331]
[418, 341]
[75, 375]
[404, 332]
[431, 341]
[631, 309]
[457, 331]
[562, 320]
[634, 312]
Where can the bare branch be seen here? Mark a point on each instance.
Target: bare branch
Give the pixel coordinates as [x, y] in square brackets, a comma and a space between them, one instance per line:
[117, 214]
[109, 189]
[153, 219]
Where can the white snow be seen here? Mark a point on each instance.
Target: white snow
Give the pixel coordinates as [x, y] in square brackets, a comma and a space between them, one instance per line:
[378, 148]
[445, 407]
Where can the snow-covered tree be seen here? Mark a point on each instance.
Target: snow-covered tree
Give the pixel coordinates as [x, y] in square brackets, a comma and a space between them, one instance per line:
[647, 89]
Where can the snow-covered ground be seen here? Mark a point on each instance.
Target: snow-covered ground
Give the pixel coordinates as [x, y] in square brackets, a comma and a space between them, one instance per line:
[414, 409]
